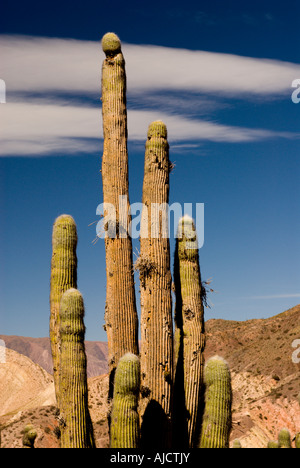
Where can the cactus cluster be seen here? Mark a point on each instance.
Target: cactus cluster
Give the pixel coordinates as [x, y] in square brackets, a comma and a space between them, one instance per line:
[63, 277]
[67, 332]
[171, 368]
[144, 391]
[285, 440]
[162, 394]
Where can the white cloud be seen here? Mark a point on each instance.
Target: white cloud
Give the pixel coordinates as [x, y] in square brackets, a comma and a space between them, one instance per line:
[44, 128]
[43, 75]
[43, 64]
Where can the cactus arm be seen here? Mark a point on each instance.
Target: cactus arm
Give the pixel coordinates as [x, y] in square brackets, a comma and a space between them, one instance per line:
[124, 428]
[120, 311]
[63, 277]
[189, 333]
[216, 425]
[155, 286]
[76, 427]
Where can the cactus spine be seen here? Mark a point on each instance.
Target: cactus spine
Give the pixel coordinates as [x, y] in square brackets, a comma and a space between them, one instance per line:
[156, 301]
[120, 311]
[124, 428]
[189, 333]
[63, 277]
[76, 426]
[216, 425]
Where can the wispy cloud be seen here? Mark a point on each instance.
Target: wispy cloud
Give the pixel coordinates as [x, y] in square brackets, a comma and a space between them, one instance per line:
[274, 296]
[54, 86]
[43, 64]
[36, 129]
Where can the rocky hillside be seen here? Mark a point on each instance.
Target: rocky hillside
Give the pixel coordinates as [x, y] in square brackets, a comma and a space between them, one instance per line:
[39, 351]
[266, 382]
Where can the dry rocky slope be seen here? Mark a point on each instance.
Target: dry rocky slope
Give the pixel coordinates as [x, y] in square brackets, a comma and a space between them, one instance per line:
[266, 382]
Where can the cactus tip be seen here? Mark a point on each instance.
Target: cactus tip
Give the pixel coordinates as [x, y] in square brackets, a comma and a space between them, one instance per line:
[111, 44]
[130, 357]
[64, 219]
[186, 220]
[157, 128]
[72, 292]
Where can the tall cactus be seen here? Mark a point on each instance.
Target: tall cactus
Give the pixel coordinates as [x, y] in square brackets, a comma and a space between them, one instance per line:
[189, 334]
[216, 425]
[63, 277]
[124, 429]
[76, 426]
[156, 301]
[120, 312]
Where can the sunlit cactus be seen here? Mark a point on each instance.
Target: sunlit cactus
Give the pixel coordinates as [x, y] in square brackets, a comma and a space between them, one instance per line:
[29, 436]
[236, 443]
[156, 301]
[189, 334]
[273, 444]
[121, 320]
[76, 425]
[124, 428]
[284, 439]
[217, 421]
[63, 277]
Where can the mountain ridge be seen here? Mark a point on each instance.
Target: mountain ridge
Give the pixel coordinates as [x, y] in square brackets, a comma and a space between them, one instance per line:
[265, 380]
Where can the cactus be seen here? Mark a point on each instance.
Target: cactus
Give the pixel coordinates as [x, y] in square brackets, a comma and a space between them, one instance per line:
[236, 444]
[216, 425]
[76, 426]
[273, 444]
[63, 277]
[124, 428]
[156, 300]
[189, 333]
[120, 311]
[284, 439]
[29, 436]
[297, 440]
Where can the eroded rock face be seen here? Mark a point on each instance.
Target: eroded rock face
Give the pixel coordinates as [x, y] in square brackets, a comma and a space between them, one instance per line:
[23, 384]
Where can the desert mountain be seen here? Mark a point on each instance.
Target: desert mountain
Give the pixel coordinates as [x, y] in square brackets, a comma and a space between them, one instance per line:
[266, 381]
[39, 351]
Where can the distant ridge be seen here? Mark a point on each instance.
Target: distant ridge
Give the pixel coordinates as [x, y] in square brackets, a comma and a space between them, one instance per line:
[39, 351]
[264, 344]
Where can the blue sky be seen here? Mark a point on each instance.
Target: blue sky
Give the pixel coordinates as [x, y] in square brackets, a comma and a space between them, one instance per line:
[220, 75]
